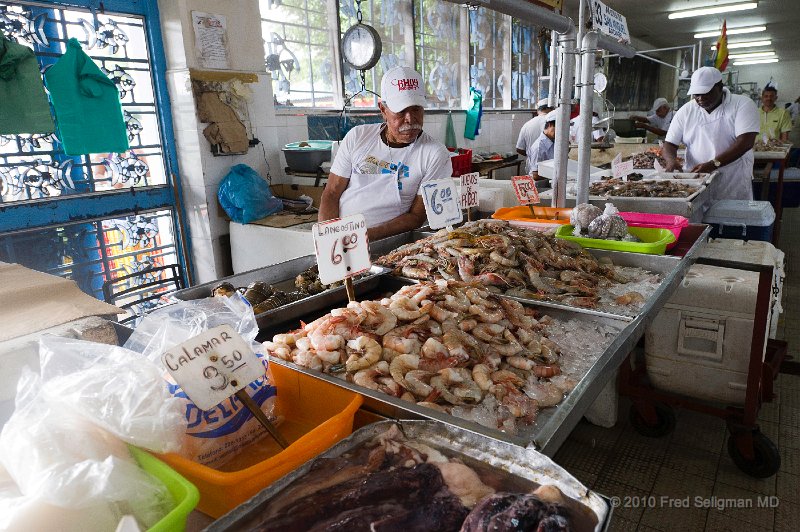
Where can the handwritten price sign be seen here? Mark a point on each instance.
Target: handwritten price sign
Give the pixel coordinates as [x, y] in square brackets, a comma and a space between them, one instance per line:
[212, 366]
[469, 190]
[621, 169]
[441, 203]
[342, 248]
[525, 189]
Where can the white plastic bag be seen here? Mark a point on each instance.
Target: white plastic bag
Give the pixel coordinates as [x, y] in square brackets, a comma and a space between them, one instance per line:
[58, 458]
[117, 389]
[212, 437]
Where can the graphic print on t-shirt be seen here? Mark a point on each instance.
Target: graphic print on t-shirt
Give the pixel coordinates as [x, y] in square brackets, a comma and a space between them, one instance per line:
[373, 165]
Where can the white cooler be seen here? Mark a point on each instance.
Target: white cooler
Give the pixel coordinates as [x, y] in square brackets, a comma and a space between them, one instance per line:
[699, 344]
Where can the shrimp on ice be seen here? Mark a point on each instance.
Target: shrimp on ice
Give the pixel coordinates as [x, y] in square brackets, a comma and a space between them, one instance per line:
[368, 377]
[402, 365]
[407, 309]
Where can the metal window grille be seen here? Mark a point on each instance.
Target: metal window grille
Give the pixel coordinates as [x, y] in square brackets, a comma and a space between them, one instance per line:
[33, 168]
[524, 65]
[489, 58]
[438, 37]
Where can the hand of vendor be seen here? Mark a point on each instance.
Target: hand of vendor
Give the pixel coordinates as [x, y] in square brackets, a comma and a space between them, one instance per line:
[379, 168]
[704, 168]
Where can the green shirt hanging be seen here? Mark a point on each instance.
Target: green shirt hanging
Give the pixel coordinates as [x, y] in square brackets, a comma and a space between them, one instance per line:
[86, 104]
[23, 103]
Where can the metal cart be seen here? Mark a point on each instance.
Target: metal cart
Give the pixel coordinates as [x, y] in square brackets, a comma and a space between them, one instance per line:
[652, 414]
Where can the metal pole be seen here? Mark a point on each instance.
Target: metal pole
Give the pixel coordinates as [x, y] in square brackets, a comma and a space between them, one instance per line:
[551, 90]
[588, 48]
[581, 33]
[562, 118]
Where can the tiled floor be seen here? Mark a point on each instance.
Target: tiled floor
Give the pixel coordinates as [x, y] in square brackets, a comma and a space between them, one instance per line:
[652, 477]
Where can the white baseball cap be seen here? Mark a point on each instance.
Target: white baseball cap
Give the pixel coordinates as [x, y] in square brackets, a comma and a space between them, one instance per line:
[402, 87]
[703, 80]
[551, 116]
[659, 103]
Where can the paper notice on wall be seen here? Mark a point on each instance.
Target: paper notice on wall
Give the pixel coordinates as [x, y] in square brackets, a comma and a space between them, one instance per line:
[210, 40]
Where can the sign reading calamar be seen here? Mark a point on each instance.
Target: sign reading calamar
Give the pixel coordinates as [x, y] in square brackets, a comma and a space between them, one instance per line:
[610, 22]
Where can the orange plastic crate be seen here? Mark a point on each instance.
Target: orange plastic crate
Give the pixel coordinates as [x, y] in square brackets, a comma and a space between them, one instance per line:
[541, 215]
[327, 407]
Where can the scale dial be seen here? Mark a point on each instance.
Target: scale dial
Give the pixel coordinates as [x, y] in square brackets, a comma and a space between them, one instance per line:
[361, 47]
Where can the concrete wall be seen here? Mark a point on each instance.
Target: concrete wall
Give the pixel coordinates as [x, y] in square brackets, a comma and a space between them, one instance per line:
[786, 75]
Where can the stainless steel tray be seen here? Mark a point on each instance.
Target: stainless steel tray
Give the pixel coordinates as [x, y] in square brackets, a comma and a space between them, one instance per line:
[523, 463]
[281, 276]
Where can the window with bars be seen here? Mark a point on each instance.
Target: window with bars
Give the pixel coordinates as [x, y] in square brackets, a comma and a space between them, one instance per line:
[35, 174]
[393, 21]
[489, 34]
[525, 65]
[298, 40]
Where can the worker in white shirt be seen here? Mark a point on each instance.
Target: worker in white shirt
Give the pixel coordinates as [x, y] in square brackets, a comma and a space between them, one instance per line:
[532, 129]
[544, 147]
[659, 119]
[719, 130]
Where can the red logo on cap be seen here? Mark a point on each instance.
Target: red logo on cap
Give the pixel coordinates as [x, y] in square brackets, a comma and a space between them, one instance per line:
[409, 84]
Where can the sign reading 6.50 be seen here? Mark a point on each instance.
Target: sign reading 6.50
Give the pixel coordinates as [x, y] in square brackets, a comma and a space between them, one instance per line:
[441, 203]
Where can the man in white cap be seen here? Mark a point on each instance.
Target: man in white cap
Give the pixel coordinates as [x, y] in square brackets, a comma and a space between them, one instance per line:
[379, 168]
[543, 149]
[532, 129]
[659, 119]
[719, 130]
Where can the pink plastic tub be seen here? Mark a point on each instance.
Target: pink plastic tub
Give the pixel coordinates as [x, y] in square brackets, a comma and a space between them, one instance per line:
[657, 221]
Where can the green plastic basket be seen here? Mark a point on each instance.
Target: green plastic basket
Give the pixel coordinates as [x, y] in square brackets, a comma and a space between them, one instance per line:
[183, 492]
[653, 241]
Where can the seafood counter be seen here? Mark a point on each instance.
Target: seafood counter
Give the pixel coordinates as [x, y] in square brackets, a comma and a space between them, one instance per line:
[414, 475]
[525, 376]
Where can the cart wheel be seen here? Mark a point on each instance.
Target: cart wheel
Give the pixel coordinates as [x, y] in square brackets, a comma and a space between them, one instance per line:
[665, 424]
[767, 459]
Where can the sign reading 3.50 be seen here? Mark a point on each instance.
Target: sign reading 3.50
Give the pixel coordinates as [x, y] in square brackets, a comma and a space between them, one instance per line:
[341, 247]
[441, 203]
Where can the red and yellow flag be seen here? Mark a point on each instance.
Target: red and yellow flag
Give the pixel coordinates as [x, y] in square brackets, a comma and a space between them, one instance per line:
[721, 60]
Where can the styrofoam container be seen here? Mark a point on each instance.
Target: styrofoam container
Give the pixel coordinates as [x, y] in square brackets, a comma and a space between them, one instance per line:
[699, 343]
[749, 220]
[547, 169]
[753, 252]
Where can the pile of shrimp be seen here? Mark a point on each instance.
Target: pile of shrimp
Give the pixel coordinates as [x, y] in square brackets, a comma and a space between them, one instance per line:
[441, 345]
[507, 259]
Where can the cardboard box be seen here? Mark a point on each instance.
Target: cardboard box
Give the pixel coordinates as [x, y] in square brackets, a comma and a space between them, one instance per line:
[295, 191]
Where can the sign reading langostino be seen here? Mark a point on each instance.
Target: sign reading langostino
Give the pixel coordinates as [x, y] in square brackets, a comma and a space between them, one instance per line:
[212, 366]
[609, 21]
[342, 248]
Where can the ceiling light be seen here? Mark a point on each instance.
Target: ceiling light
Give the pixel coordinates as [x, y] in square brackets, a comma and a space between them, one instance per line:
[730, 31]
[748, 44]
[713, 10]
[756, 61]
[753, 54]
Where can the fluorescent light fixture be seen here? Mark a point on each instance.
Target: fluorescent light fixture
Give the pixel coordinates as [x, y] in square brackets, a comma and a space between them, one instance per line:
[713, 10]
[751, 55]
[756, 61]
[730, 31]
[748, 44]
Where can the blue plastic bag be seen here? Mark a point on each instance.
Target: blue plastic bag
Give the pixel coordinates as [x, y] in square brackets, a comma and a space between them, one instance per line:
[245, 196]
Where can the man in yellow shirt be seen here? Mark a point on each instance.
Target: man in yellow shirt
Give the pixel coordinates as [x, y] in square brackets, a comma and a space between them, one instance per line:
[776, 123]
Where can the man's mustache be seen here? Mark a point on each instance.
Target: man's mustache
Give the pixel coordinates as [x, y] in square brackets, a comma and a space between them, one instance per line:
[409, 127]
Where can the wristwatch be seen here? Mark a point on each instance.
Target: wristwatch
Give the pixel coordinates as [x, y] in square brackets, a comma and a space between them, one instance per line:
[717, 163]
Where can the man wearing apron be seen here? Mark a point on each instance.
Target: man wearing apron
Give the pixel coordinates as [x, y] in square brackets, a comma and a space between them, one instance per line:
[719, 130]
[379, 168]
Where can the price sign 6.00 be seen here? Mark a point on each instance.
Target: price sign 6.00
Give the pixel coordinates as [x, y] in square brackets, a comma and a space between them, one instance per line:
[342, 248]
[441, 203]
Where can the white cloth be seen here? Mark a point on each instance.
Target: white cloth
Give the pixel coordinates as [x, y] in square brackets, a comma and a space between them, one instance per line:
[542, 150]
[708, 134]
[384, 181]
[794, 110]
[530, 132]
[661, 123]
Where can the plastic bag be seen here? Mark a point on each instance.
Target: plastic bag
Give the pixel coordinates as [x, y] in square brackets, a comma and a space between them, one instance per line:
[245, 196]
[56, 457]
[212, 437]
[117, 389]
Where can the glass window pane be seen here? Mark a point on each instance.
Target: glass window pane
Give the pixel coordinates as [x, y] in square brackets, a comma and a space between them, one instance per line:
[525, 65]
[438, 51]
[488, 31]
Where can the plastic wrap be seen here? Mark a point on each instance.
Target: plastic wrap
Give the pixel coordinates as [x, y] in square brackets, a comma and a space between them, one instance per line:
[113, 387]
[212, 437]
[57, 461]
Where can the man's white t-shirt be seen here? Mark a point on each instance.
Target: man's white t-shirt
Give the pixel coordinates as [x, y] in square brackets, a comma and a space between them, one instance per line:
[384, 181]
[530, 132]
[706, 135]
